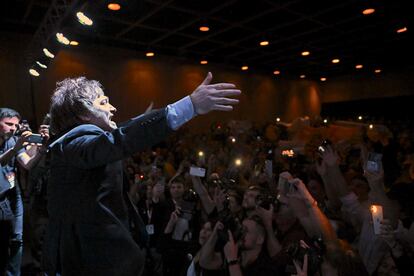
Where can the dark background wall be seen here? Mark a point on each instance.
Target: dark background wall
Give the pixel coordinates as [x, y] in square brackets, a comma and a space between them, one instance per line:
[132, 81]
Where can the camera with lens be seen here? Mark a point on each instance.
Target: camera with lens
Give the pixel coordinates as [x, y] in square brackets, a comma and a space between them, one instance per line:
[315, 253]
[231, 223]
[24, 126]
[267, 200]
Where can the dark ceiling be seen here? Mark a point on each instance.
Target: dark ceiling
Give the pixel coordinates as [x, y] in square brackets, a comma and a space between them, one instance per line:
[328, 29]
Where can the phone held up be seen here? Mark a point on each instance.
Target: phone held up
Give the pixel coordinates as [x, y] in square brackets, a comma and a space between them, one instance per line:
[197, 171]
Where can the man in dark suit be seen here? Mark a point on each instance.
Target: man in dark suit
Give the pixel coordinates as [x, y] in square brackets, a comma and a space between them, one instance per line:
[88, 232]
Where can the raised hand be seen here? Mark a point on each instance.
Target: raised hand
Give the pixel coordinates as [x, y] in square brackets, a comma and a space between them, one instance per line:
[230, 249]
[22, 140]
[329, 156]
[208, 97]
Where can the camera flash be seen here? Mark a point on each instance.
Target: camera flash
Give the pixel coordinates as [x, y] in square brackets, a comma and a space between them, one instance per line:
[233, 140]
[277, 119]
[238, 162]
[200, 153]
[371, 126]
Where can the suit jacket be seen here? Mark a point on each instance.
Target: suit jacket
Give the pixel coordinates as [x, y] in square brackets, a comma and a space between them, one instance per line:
[88, 232]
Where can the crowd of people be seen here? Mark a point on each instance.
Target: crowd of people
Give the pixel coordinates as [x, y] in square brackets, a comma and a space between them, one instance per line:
[242, 198]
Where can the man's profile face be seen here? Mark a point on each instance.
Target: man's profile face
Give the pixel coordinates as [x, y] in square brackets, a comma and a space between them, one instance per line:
[104, 111]
[8, 126]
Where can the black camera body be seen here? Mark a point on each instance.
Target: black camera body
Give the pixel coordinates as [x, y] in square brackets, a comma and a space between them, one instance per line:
[315, 253]
[231, 223]
[267, 200]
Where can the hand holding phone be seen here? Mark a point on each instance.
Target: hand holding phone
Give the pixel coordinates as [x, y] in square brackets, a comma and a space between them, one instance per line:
[283, 183]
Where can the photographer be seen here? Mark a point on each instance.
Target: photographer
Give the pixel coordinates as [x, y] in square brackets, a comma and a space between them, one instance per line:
[11, 206]
[247, 256]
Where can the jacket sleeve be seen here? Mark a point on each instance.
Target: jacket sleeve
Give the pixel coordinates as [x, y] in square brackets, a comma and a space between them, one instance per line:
[88, 146]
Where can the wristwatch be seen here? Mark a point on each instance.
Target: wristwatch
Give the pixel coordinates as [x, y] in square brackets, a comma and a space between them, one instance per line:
[232, 262]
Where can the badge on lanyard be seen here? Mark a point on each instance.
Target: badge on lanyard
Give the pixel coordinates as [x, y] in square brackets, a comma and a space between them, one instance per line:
[150, 229]
[11, 177]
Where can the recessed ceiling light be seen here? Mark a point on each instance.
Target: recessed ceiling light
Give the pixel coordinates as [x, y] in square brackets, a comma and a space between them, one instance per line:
[203, 62]
[264, 43]
[150, 54]
[83, 19]
[302, 76]
[368, 11]
[245, 67]
[74, 43]
[41, 65]
[305, 53]
[377, 71]
[402, 30]
[114, 6]
[33, 72]
[323, 79]
[359, 66]
[62, 39]
[48, 53]
[204, 28]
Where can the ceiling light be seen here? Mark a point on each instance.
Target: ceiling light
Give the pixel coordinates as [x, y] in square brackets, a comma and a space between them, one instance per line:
[150, 54]
[62, 39]
[359, 66]
[305, 53]
[264, 43]
[204, 29]
[83, 19]
[302, 76]
[335, 60]
[277, 72]
[47, 53]
[368, 11]
[244, 68]
[33, 72]
[238, 162]
[377, 71]
[41, 65]
[74, 43]
[402, 30]
[203, 62]
[323, 79]
[114, 6]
